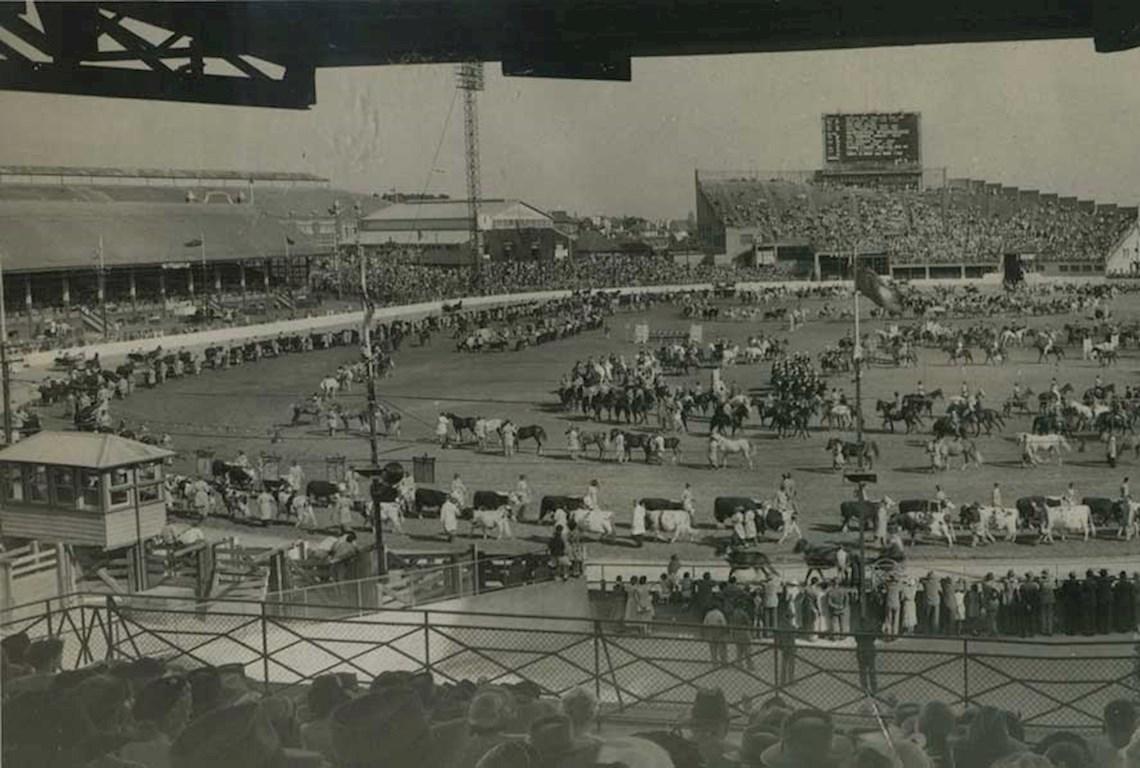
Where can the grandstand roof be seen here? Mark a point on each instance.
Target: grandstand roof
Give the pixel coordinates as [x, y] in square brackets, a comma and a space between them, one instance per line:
[293, 202]
[436, 210]
[50, 235]
[157, 173]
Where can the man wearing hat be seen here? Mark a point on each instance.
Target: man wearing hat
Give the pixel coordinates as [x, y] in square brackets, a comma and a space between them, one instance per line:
[1123, 604]
[488, 714]
[389, 728]
[1088, 604]
[449, 517]
[44, 657]
[1071, 605]
[241, 736]
[809, 739]
[1104, 602]
[708, 723]
[161, 712]
[553, 743]
[1048, 601]
[325, 694]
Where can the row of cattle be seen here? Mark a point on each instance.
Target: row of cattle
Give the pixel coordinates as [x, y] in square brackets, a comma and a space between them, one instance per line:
[1042, 515]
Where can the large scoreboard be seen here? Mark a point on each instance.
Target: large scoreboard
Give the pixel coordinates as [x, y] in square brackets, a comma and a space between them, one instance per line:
[871, 140]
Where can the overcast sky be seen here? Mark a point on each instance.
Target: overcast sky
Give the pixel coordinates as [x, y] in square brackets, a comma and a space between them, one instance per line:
[1052, 115]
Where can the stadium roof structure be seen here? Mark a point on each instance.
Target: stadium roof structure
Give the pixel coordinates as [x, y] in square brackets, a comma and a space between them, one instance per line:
[90, 450]
[157, 173]
[266, 54]
[433, 211]
[37, 236]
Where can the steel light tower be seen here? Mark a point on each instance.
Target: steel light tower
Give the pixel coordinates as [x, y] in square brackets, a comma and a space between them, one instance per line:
[469, 79]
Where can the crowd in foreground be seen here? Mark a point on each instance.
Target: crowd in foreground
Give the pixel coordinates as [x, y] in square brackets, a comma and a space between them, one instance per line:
[154, 713]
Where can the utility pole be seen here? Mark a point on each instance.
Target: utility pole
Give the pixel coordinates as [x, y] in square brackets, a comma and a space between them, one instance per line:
[858, 358]
[469, 79]
[374, 450]
[4, 373]
[102, 290]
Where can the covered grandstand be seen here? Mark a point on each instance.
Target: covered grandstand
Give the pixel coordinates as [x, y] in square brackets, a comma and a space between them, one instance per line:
[957, 230]
[164, 233]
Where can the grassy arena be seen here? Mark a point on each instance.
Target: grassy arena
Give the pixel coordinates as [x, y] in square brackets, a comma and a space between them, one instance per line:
[236, 409]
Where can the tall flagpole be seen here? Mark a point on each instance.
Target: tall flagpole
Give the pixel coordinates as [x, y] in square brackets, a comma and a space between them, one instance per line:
[103, 289]
[858, 363]
[4, 364]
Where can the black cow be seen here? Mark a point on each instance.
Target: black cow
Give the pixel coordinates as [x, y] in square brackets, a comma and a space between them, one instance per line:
[551, 503]
[725, 507]
[320, 492]
[1031, 510]
[653, 504]
[429, 501]
[850, 511]
[490, 500]
[1105, 511]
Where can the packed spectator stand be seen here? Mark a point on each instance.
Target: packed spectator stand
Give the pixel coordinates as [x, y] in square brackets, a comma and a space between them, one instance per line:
[932, 226]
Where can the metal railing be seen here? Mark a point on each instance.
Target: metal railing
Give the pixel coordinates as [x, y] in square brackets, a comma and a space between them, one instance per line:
[410, 588]
[642, 673]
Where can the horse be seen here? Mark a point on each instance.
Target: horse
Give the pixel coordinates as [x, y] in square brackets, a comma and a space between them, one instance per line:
[538, 434]
[1046, 349]
[726, 446]
[958, 356]
[820, 557]
[461, 424]
[868, 450]
[837, 417]
[330, 386]
[585, 439]
[907, 415]
[484, 428]
[311, 407]
[920, 403]
[961, 448]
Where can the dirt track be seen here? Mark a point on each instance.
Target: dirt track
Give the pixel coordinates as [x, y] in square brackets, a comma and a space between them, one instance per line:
[233, 410]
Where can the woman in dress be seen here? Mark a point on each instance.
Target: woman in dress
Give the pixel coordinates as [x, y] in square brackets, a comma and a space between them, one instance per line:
[637, 525]
[909, 605]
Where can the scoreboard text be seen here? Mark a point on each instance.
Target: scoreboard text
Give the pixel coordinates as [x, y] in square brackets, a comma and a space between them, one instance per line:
[875, 138]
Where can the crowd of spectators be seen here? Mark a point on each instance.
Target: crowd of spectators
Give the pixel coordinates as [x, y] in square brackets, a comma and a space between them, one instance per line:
[1028, 605]
[395, 280]
[157, 713]
[929, 227]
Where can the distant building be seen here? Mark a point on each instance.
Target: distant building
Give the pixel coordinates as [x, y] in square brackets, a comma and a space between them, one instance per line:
[438, 230]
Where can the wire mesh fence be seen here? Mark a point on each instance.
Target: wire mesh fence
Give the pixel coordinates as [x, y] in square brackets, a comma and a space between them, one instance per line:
[643, 673]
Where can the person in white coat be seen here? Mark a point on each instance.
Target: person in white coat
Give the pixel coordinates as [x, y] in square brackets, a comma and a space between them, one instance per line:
[449, 517]
[296, 477]
[459, 491]
[637, 524]
[590, 500]
[306, 517]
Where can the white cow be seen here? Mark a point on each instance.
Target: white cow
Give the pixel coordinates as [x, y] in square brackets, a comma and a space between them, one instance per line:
[1002, 519]
[1067, 519]
[1031, 445]
[488, 520]
[598, 522]
[679, 522]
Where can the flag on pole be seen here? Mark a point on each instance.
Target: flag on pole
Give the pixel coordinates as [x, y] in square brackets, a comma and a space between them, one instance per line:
[874, 288]
[289, 240]
[195, 243]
